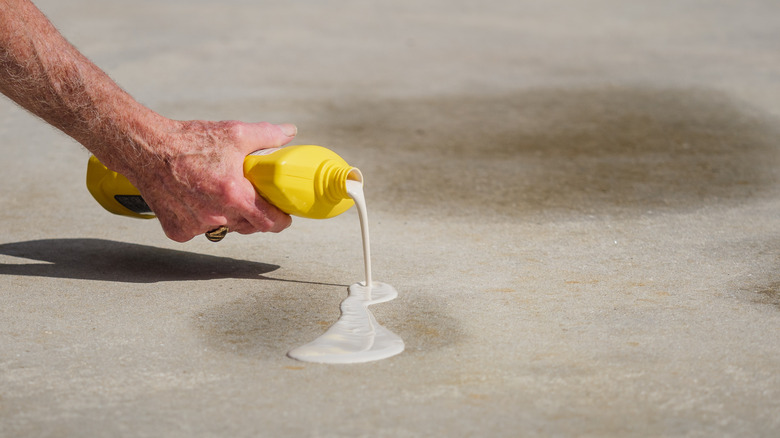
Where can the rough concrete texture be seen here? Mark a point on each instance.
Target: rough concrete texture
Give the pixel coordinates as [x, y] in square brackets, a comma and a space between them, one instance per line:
[577, 201]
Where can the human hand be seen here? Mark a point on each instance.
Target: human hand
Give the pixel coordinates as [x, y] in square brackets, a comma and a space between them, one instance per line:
[194, 180]
[189, 173]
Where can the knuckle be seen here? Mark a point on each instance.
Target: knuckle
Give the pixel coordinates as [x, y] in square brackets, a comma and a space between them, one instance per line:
[175, 232]
[234, 129]
[264, 225]
[224, 191]
[178, 236]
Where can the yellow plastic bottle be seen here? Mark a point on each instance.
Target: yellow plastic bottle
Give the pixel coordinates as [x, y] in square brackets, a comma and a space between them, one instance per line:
[307, 181]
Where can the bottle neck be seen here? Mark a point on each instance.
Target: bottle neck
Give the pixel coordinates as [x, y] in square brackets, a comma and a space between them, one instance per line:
[333, 180]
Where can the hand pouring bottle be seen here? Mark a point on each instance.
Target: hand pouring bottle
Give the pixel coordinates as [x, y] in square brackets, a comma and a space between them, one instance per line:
[307, 181]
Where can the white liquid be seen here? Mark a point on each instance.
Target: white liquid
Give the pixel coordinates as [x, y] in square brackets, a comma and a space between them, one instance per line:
[356, 337]
[355, 191]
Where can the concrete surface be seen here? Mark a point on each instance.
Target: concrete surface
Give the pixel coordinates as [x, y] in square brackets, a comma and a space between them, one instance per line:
[577, 200]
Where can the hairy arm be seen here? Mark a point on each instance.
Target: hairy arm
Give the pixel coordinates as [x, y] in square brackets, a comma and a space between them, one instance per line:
[190, 173]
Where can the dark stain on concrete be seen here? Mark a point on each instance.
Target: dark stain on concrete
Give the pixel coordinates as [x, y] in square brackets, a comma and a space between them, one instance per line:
[767, 293]
[107, 260]
[770, 294]
[752, 261]
[618, 151]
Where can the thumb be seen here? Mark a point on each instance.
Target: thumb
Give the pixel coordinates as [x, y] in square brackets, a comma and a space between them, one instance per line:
[265, 135]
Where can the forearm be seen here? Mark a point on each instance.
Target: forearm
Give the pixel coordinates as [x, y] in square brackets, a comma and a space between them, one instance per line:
[45, 74]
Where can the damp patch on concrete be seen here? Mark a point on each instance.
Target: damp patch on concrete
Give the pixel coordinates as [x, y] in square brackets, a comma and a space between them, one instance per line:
[266, 322]
[272, 319]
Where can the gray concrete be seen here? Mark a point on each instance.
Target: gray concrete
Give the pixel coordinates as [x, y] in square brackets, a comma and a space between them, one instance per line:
[577, 200]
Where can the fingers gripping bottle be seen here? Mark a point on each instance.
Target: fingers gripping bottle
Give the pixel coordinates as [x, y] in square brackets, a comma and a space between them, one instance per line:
[307, 181]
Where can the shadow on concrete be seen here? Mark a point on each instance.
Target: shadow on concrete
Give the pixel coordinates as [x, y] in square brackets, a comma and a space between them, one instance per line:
[106, 260]
[610, 150]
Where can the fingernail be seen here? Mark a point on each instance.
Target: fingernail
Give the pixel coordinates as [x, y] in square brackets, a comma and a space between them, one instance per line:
[289, 129]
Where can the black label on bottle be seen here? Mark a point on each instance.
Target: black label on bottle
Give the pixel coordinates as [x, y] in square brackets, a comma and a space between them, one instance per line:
[134, 203]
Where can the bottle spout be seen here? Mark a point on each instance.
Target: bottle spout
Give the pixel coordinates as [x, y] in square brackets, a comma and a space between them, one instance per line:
[355, 175]
[332, 181]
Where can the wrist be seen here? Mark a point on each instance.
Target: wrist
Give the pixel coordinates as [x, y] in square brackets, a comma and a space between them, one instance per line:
[131, 139]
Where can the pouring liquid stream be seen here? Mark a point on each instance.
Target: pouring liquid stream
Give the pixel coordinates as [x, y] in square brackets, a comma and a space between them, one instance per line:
[355, 191]
[356, 337]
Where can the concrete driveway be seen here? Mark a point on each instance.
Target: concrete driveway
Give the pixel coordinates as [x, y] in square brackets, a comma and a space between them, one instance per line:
[578, 202]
